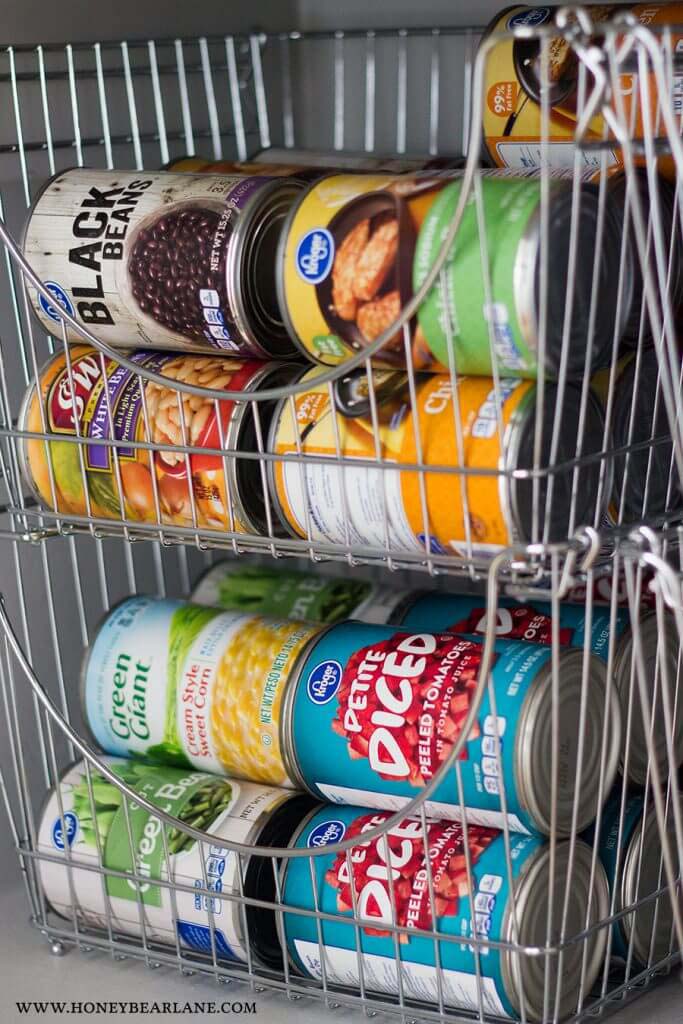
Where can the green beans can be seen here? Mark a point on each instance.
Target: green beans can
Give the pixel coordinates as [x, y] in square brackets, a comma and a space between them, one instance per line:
[87, 826]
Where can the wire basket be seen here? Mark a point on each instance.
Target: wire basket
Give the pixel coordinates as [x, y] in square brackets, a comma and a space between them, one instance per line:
[144, 103]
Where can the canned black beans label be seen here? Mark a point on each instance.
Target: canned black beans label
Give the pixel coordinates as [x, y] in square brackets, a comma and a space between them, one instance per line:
[150, 259]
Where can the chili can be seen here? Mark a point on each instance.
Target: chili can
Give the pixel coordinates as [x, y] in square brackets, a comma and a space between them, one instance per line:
[512, 87]
[183, 684]
[646, 482]
[365, 503]
[87, 398]
[373, 711]
[162, 260]
[630, 849]
[355, 249]
[532, 621]
[289, 594]
[86, 827]
[483, 900]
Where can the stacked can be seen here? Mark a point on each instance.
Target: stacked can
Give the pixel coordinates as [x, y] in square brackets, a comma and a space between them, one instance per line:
[630, 850]
[438, 508]
[416, 910]
[355, 248]
[299, 595]
[86, 826]
[162, 260]
[514, 133]
[355, 713]
[85, 399]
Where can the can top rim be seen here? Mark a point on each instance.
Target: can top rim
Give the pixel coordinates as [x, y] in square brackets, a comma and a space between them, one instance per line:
[640, 878]
[528, 927]
[533, 758]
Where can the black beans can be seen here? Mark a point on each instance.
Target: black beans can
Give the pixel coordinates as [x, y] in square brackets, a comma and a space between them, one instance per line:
[162, 260]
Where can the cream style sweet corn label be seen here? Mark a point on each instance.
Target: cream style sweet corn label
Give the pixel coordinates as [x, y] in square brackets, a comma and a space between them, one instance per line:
[192, 686]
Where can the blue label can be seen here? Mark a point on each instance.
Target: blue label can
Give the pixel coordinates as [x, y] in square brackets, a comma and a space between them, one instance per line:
[630, 849]
[532, 621]
[395, 888]
[374, 712]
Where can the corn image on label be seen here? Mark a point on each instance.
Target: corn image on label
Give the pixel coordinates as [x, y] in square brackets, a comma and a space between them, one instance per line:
[190, 685]
[88, 822]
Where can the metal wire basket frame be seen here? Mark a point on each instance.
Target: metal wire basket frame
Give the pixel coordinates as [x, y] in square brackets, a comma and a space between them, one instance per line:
[44, 716]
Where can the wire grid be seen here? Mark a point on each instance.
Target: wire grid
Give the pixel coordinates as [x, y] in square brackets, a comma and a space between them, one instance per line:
[45, 718]
[187, 85]
[95, 572]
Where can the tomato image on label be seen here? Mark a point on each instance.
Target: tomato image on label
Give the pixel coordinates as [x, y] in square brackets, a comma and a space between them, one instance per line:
[402, 703]
[398, 862]
[521, 622]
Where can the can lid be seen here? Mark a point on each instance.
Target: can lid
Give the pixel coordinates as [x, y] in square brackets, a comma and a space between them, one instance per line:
[251, 268]
[643, 875]
[568, 977]
[543, 513]
[249, 489]
[593, 730]
[640, 745]
[259, 882]
[641, 477]
[584, 216]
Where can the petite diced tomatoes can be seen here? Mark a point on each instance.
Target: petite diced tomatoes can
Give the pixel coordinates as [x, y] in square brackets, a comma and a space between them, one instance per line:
[612, 640]
[630, 849]
[372, 713]
[391, 881]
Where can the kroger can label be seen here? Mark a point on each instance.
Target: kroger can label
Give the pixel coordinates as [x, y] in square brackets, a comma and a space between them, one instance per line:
[364, 504]
[388, 880]
[97, 399]
[98, 833]
[375, 712]
[184, 684]
[161, 260]
[357, 248]
[287, 594]
[513, 75]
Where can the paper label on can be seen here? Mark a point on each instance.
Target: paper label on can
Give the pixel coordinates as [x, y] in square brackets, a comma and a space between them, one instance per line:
[406, 510]
[226, 808]
[99, 400]
[434, 808]
[359, 246]
[401, 856]
[190, 685]
[377, 710]
[529, 621]
[134, 253]
[419, 981]
[296, 595]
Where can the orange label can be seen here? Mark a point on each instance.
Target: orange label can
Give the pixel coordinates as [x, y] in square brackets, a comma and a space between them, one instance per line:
[436, 477]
